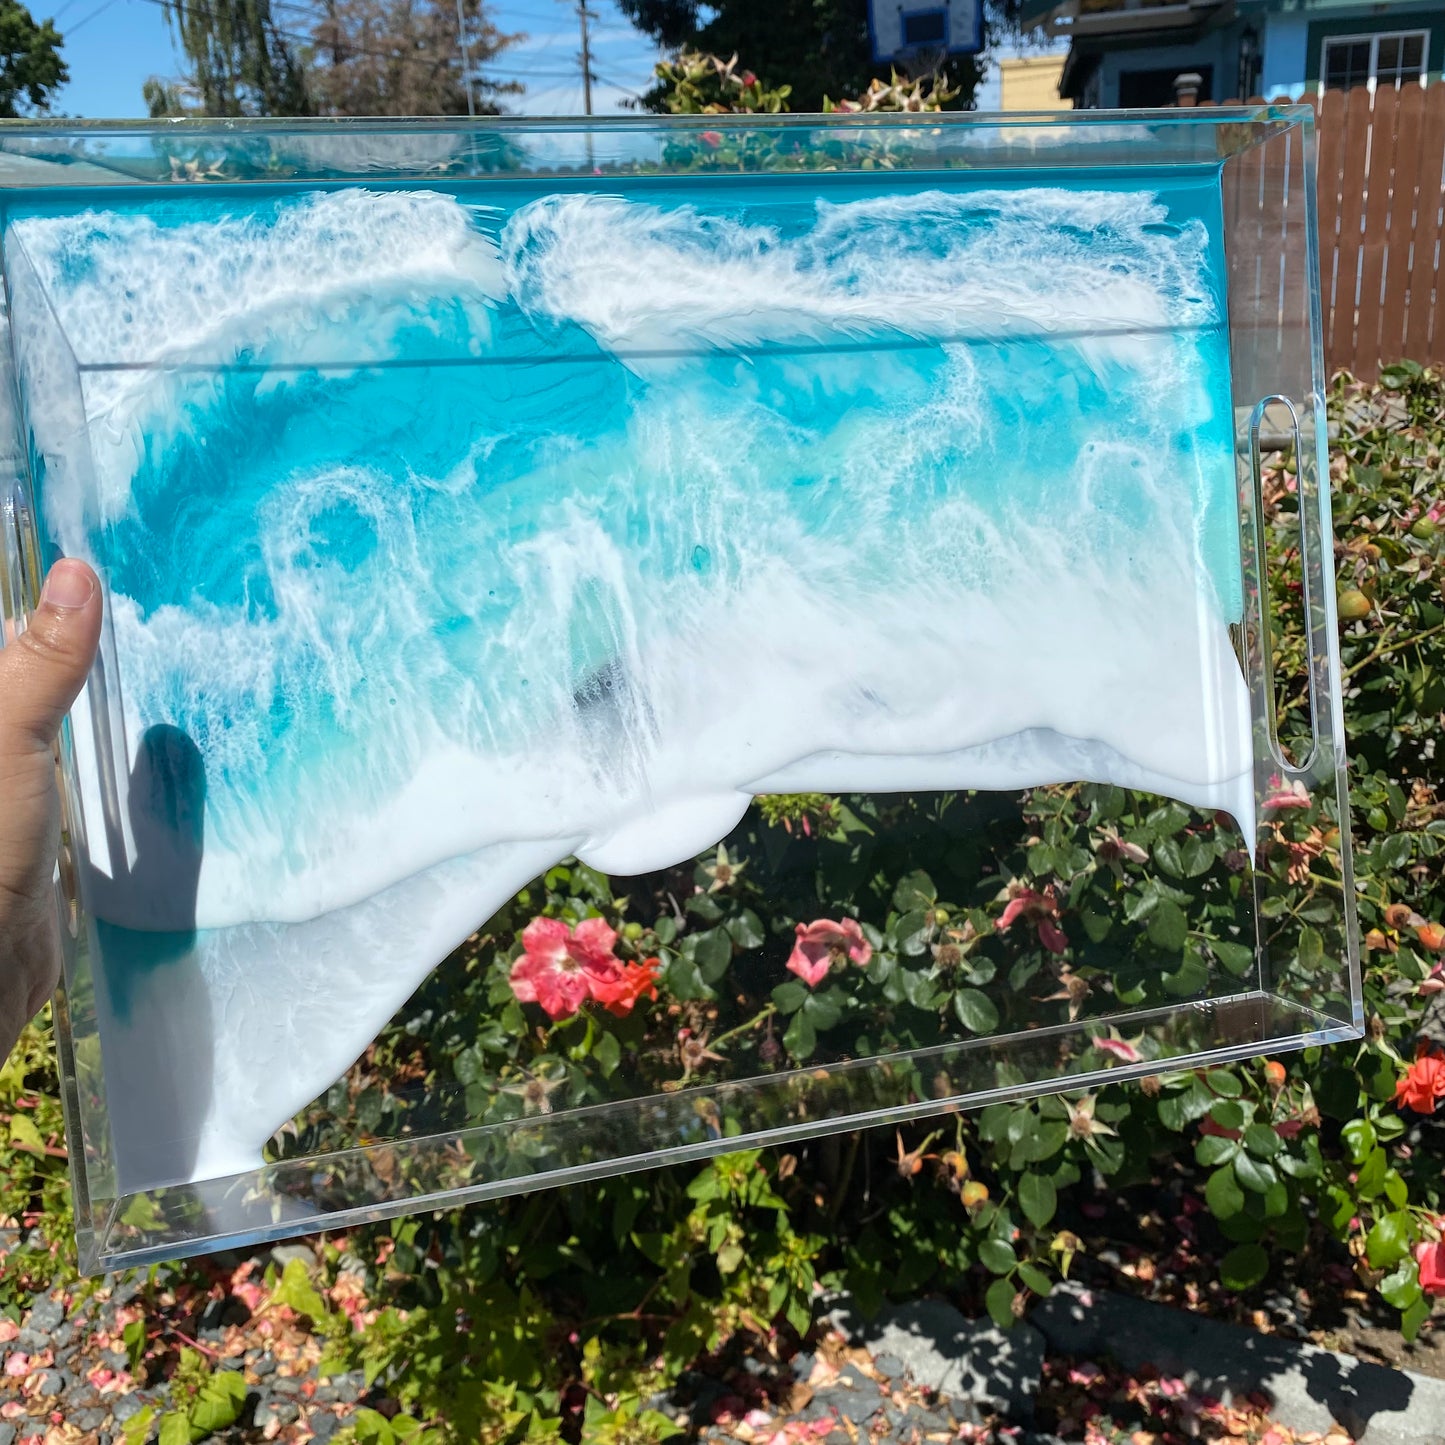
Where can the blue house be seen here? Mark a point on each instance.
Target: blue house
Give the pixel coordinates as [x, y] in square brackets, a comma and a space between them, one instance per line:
[1125, 53]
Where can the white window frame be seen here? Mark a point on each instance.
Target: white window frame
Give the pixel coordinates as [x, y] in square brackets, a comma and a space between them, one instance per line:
[1373, 38]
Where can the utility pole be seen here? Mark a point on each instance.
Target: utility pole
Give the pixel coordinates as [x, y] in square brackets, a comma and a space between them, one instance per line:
[583, 15]
[467, 59]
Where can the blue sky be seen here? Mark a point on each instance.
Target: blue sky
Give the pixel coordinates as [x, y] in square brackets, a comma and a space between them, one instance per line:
[113, 46]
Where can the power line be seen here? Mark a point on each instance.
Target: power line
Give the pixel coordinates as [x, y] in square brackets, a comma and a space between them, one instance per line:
[99, 9]
[617, 85]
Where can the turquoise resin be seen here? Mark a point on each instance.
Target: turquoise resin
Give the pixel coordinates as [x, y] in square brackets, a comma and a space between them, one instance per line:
[450, 531]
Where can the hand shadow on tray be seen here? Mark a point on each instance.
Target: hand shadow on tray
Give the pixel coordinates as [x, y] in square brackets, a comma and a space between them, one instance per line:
[158, 1063]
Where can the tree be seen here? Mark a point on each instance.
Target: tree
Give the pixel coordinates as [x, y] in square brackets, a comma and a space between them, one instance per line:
[240, 60]
[818, 47]
[30, 65]
[404, 57]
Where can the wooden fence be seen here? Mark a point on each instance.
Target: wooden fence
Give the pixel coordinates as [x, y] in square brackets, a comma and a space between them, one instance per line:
[1381, 191]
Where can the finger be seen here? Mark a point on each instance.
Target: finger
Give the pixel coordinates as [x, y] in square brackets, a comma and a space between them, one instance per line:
[43, 670]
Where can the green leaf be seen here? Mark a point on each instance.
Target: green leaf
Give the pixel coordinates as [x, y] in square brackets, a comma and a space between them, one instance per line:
[608, 1053]
[1197, 856]
[997, 1257]
[1262, 1141]
[1140, 905]
[1191, 977]
[914, 891]
[1234, 958]
[1222, 1194]
[1380, 1080]
[999, 1302]
[913, 930]
[1388, 1241]
[1038, 1199]
[1255, 1174]
[975, 1010]
[372, 1427]
[713, 952]
[1036, 1279]
[1225, 1083]
[1399, 374]
[134, 1337]
[1167, 926]
[335, 1360]
[1228, 1114]
[1172, 1113]
[1213, 1149]
[1167, 855]
[994, 1122]
[917, 988]
[1311, 948]
[24, 1134]
[138, 1427]
[297, 1291]
[790, 996]
[800, 1039]
[175, 1428]
[746, 929]
[1413, 1317]
[1401, 1287]
[1046, 1140]
[1304, 1165]
[219, 1402]
[823, 1009]
[1396, 1190]
[1359, 1139]
[1244, 1266]
[1370, 1181]
[683, 980]
[705, 907]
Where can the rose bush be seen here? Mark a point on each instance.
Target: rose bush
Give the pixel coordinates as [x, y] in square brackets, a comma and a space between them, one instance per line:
[826, 928]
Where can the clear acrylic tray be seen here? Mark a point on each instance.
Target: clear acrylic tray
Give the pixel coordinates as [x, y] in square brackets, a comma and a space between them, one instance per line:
[490, 513]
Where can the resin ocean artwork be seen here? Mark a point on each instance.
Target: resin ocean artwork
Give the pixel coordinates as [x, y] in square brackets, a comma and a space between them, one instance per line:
[449, 533]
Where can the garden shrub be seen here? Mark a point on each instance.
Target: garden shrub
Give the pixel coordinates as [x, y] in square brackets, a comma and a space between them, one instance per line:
[827, 927]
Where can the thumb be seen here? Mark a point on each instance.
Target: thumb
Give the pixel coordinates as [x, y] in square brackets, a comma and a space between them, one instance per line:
[43, 669]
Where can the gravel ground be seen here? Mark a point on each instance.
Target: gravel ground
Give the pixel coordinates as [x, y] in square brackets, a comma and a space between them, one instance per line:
[66, 1379]
[65, 1373]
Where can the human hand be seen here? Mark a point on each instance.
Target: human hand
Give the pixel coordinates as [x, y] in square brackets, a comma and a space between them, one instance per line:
[41, 672]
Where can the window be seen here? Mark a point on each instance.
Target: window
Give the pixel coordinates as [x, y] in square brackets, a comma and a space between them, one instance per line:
[1389, 59]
